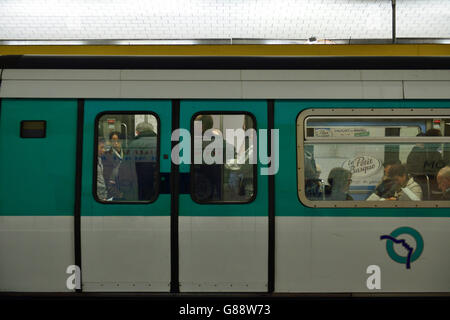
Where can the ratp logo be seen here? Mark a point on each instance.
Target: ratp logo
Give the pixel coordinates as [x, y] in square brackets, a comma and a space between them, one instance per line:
[413, 252]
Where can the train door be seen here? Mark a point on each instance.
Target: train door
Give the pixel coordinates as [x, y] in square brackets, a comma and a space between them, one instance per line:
[223, 212]
[125, 208]
[37, 186]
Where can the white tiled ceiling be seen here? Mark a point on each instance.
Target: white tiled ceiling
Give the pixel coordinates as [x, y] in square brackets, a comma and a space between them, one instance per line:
[423, 18]
[221, 19]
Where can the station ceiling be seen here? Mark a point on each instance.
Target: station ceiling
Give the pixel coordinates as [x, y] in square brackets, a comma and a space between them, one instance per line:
[221, 19]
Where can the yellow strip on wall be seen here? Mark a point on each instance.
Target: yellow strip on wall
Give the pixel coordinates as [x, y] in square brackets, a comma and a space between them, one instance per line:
[233, 50]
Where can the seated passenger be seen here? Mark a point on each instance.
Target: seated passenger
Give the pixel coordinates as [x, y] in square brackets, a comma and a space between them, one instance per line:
[387, 187]
[339, 180]
[407, 189]
[443, 179]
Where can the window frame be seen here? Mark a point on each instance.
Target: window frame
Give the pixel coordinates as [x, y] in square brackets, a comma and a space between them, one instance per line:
[191, 169]
[158, 155]
[300, 138]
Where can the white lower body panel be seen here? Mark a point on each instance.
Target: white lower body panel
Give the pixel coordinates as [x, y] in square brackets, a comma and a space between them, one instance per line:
[223, 254]
[126, 253]
[331, 254]
[35, 252]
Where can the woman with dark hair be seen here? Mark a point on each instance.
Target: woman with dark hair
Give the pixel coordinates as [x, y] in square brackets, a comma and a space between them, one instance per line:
[387, 187]
[120, 173]
[408, 189]
[339, 180]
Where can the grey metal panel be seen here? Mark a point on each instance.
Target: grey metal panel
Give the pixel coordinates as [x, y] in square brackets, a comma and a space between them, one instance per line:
[181, 89]
[59, 89]
[302, 89]
[436, 75]
[60, 74]
[190, 75]
[295, 75]
[226, 75]
[322, 90]
[54, 84]
[427, 89]
[382, 89]
[35, 252]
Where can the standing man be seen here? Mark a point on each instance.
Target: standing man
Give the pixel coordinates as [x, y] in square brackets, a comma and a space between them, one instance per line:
[144, 156]
[102, 193]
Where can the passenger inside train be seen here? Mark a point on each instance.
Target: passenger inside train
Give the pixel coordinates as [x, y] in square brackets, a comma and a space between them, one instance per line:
[233, 180]
[127, 168]
[352, 168]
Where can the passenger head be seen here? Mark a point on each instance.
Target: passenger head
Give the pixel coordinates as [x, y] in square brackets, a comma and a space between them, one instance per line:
[144, 129]
[339, 179]
[399, 174]
[116, 140]
[388, 164]
[443, 178]
[101, 146]
[207, 122]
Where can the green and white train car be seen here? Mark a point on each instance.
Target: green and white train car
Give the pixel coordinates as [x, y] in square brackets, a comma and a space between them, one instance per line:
[189, 234]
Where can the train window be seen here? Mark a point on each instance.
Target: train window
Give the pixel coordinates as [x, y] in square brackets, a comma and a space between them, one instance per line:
[33, 129]
[127, 158]
[374, 158]
[223, 169]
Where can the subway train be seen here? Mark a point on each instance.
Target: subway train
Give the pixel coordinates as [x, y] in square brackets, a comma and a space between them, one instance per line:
[338, 182]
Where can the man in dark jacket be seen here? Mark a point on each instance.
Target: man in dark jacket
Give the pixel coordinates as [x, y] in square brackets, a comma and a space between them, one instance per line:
[119, 172]
[143, 152]
[102, 192]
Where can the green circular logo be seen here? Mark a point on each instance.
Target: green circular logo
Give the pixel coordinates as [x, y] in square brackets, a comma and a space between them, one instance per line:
[413, 253]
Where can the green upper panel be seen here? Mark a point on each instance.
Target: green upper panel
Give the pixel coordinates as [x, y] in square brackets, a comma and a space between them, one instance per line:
[286, 195]
[38, 174]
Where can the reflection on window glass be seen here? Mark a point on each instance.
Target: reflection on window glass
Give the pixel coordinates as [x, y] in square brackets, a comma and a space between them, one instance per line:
[376, 171]
[230, 178]
[127, 162]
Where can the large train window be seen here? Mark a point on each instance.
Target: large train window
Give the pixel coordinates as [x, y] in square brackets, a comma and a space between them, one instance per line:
[223, 163]
[374, 157]
[127, 161]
